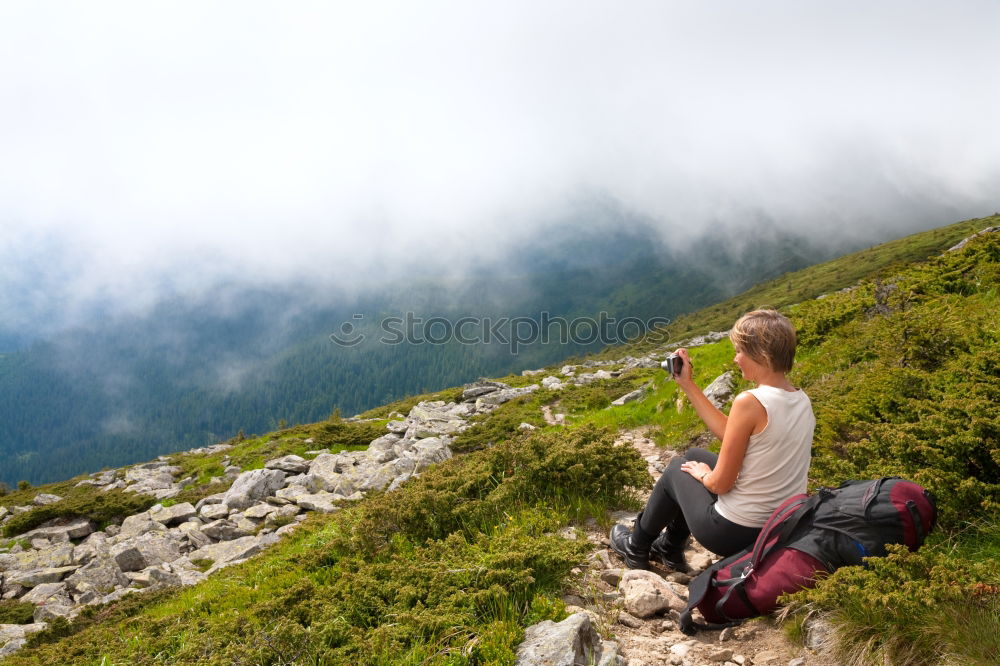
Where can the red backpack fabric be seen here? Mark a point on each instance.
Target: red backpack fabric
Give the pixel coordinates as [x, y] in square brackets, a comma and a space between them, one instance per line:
[805, 536]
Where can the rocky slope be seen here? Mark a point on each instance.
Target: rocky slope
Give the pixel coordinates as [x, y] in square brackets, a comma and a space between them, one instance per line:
[67, 564]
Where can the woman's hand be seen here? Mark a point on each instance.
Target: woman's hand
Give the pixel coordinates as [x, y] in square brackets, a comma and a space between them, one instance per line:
[684, 376]
[698, 470]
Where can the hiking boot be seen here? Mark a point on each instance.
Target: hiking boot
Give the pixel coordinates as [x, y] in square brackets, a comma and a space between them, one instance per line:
[621, 542]
[671, 557]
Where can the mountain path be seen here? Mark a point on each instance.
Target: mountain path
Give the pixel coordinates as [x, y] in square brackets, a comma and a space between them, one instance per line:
[656, 641]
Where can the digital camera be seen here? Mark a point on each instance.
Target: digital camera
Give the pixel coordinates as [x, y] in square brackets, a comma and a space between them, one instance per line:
[673, 364]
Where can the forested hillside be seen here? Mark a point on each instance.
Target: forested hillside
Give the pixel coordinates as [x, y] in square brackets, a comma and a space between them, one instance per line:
[190, 373]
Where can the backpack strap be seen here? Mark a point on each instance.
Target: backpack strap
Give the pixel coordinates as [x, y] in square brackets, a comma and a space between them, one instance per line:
[786, 517]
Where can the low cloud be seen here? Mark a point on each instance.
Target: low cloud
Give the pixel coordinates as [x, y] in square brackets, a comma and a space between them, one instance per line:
[163, 149]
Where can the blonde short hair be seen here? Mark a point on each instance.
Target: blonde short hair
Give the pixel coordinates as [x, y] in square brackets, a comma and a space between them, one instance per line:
[767, 337]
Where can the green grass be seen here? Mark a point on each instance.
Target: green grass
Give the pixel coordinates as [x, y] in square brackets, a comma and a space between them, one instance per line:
[811, 282]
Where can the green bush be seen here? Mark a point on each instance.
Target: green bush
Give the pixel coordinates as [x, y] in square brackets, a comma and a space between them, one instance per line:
[911, 609]
[911, 390]
[16, 612]
[466, 494]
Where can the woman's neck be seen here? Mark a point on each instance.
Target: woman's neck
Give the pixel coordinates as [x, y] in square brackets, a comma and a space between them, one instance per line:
[777, 380]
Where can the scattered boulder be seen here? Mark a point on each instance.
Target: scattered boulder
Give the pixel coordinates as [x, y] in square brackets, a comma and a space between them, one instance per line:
[172, 515]
[572, 642]
[253, 485]
[230, 552]
[720, 391]
[631, 396]
[214, 511]
[39, 577]
[645, 594]
[291, 464]
[42, 499]
[965, 241]
[43, 592]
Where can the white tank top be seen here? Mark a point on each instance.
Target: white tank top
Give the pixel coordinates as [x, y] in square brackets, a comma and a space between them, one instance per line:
[777, 460]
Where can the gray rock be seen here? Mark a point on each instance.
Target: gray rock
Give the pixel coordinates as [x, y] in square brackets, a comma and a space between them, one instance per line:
[282, 514]
[431, 450]
[39, 576]
[223, 530]
[61, 529]
[572, 642]
[631, 396]
[645, 594]
[613, 576]
[504, 395]
[253, 485]
[720, 391]
[12, 646]
[965, 241]
[629, 620]
[195, 537]
[94, 545]
[42, 593]
[3, 512]
[397, 427]
[383, 449]
[214, 511]
[473, 392]
[101, 576]
[291, 464]
[41, 499]
[154, 577]
[552, 383]
[260, 511]
[137, 524]
[210, 500]
[321, 501]
[293, 493]
[172, 515]
[59, 606]
[147, 550]
[230, 552]
[53, 556]
[819, 634]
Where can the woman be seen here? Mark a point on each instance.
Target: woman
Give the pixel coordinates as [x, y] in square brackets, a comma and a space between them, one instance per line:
[725, 499]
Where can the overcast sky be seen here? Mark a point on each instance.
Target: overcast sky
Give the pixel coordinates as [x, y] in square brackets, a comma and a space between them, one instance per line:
[152, 143]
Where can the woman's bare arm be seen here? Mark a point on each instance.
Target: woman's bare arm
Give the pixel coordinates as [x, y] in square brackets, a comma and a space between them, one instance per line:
[746, 416]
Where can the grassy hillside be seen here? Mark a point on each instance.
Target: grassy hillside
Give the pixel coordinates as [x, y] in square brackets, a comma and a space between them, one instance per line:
[904, 374]
[814, 281]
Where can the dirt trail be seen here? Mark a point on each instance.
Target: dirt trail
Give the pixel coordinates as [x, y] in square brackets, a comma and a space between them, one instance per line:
[656, 640]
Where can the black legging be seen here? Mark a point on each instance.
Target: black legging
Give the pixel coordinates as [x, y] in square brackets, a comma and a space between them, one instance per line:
[684, 506]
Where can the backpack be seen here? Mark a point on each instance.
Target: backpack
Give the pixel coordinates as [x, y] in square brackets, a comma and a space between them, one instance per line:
[807, 536]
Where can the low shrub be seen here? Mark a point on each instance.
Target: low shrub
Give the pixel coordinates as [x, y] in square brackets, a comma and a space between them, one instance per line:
[16, 612]
[911, 609]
